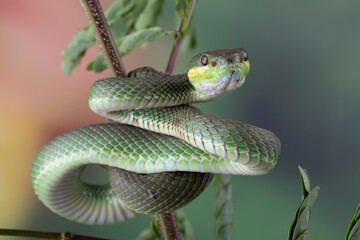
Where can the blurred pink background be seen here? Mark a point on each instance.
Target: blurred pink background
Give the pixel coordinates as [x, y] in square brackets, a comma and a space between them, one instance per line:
[37, 101]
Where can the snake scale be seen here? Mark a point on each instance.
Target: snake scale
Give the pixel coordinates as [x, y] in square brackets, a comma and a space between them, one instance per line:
[161, 152]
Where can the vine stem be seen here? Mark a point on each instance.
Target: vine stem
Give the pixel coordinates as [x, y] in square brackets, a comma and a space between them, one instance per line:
[45, 235]
[104, 37]
[178, 39]
[169, 227]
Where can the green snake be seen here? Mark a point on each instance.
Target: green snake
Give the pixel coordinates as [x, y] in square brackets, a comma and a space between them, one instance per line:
[161, 152]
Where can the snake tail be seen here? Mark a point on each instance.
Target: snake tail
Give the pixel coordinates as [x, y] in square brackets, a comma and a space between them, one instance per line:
[58, 166]
[158, 192]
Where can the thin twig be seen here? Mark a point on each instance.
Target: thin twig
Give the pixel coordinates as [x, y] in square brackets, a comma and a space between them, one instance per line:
[45, 235]
[104, 36]
[169, 226]
[178, 39]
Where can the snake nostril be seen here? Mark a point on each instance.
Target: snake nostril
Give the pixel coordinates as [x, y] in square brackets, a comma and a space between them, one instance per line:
[232, 72]
[213, 64]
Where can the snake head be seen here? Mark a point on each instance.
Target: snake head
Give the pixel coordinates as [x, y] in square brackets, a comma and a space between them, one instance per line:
[218, 72]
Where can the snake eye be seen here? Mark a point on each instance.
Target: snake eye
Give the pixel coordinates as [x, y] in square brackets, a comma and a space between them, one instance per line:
[245, 55]
[204, 60]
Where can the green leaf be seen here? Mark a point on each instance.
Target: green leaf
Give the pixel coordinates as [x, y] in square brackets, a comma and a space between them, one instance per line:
[135, 8]
[114, 10]
[99, 64]
[82, 40]
[90, 66]
[155, 226]
[305, 180]
[181, 8]
[310, 199]
[125, 17]
[131, 17]
[353, 233]
[129, 42]
[119, 27]
[149, 16]
[299, 226]
[76, 50]
[304, 213]
[135, 15]
[223, 207]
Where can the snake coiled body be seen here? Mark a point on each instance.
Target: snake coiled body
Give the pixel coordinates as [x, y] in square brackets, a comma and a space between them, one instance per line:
[156, 131]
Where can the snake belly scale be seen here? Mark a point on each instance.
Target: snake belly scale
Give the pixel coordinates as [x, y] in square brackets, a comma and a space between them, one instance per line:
[155, 132]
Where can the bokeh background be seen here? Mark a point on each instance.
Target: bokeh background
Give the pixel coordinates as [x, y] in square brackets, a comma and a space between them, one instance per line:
[303, 85]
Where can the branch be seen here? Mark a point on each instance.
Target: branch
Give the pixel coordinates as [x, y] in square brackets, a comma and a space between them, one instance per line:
[45, 235]
[104, 37]
[299, 226]
[169, 228]
[178, 39]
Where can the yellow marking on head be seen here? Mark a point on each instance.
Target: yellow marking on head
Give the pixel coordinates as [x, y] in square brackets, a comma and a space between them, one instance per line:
[196, 73]
[247, 64]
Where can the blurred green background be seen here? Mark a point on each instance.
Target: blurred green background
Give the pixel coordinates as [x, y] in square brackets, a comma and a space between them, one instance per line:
[303, 85]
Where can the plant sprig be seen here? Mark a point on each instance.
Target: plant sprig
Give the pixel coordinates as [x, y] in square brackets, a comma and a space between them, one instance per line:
[353, 233]
[133, 24]
[299, 227]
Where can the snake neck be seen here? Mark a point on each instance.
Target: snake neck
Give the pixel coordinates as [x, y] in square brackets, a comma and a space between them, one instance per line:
[155, 90]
